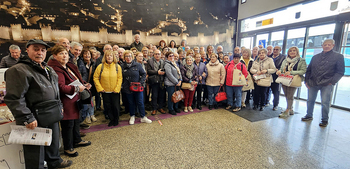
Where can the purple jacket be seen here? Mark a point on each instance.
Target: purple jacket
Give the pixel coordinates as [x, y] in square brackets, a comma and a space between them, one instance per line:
[201, 68]
[194, 74]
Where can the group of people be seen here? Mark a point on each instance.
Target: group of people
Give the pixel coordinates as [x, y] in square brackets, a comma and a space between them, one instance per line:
[133, 76]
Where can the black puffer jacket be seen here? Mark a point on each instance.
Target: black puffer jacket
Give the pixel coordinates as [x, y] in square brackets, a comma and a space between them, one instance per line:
[28, 84]
[153, 76]
[134, 73]
[324, 69]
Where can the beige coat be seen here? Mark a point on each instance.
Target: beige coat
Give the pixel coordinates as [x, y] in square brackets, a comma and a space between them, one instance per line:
[216, 74]
[265, 64]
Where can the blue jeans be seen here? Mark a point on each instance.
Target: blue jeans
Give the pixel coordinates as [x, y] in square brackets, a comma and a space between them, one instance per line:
[136, 99]
[237, 91]
[212, 91]
[87, 110]
[326, 92]
[171, 105]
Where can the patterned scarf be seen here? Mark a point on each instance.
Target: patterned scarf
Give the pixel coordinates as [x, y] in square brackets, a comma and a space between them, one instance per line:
[291, 63]
[177, 68]
[189, 69]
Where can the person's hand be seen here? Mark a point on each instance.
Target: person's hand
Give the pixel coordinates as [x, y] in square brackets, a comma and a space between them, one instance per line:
[200, 77]
[221, 84]
[263, 71]
[278, 72]
[145, 62]
[193, 83]
[103, 91]
[88, 86]
[178, 84]
[203, 74]
[287, 73]
[258, 73]
[32, 125]
[307, 85]
[160, 72]
[81, 88]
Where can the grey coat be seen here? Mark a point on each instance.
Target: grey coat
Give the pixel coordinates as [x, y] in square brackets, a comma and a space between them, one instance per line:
[172, 77]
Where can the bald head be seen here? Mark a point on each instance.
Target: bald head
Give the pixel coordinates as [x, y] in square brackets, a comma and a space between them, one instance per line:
[137, 38]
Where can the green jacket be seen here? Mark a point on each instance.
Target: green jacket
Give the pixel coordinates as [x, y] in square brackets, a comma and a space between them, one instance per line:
[301, 69]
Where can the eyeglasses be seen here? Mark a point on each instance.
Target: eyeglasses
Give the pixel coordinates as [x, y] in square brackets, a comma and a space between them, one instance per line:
[157, 53]
[171, 56]
[126, 56]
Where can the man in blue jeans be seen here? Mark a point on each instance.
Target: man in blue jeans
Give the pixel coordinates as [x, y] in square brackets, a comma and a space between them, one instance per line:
[323, 72]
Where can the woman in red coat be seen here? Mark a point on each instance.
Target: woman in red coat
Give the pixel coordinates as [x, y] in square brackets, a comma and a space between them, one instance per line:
[67, 73]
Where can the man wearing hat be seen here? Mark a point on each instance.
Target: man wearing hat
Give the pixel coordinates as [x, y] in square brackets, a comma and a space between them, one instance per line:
[30, 82]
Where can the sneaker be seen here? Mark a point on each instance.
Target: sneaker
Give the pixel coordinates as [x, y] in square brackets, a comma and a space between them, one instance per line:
[228, 107]
[146, 120]
[291, 112]
[275, 108]
[65, 163]
[284, 114]
[84, 126]
[190, 109]
[88, 120]
[323, 123]
[236, 109]
[185, 110]
[93, 118]
[306, 118]
[132, 120]
[243, 105]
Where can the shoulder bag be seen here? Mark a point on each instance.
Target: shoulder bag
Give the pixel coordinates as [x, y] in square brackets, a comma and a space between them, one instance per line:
[249, 85]
[238, 78]
[186, 86]
[48, 112]
[221, 96]
[177, 96]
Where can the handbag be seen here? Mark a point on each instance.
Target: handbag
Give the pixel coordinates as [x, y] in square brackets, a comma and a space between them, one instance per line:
[238, 78]
[296, 82]
[136, 87]
[257, 77]
[48, 112]
[186, 86]
[177, 96]
[249, 85]
[266, 82]
[221, 96]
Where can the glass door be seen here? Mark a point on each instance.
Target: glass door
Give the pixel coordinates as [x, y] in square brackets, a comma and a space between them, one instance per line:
[262, 39]
[247, 42]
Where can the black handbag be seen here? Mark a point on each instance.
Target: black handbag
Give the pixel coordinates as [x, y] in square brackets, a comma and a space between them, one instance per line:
[48, 112]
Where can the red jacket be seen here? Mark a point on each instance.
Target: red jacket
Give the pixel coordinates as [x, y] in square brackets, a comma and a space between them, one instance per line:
[70, 107]
[229, 71]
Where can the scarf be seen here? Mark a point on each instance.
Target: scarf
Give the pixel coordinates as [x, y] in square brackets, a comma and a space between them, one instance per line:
[189, 69]
[177, 69]
[291, 63]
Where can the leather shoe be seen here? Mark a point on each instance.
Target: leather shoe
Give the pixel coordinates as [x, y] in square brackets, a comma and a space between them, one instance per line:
[115, 123]
[262, 108]
[177, 110]
[71, 153]
[110, 124]
[210, 107]
[154, 112]
[255, 107]
[199, 107]
[172, 112]
[161, 111]
[82, 143]
[215, 106]
[82, 134]
[65, 163]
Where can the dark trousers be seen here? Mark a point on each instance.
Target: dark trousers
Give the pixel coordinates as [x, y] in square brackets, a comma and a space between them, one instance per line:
[70, 133]
[260, 95]
[268, 95]
[275, 88]
[98, 100]
[125, 102]
[136, 99]
[197, 99]
[205, 93]
[111, 102]
[158, 96]
[35, 156]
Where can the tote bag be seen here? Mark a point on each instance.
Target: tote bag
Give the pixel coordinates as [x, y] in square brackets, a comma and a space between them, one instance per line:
[250, 84]
[238, 78]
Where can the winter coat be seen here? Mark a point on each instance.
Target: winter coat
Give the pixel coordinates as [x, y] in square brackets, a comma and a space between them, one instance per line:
[110, 79]
[134, 73]
[70, 107]
[216, 74]
[27, 84]
[202, 69]
[264, 64]
[298, 69]
[172, 77]
[250, 64]
[230, 67]
[324, 69]
[153, 76]
[194, 77]
[278, 62]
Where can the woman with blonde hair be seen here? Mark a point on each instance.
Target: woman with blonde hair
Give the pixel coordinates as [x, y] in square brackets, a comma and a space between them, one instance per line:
[108, 80]
[292, 65]
[215, 78]
[247, 60]
[190, 76]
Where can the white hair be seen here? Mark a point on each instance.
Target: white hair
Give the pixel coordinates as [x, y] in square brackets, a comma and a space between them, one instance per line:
[73, 44]
[14, 47]
[329, 40]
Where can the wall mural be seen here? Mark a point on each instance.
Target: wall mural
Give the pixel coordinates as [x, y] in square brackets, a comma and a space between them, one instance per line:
[97, 22]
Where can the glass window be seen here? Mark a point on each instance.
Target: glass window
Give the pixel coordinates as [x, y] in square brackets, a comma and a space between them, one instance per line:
[262, 39]
[277, 38]
[247, 42]
[295, 37]
[341, 95]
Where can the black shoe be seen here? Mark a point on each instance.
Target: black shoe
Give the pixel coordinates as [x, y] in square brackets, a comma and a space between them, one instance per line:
[216, 106]
[193, 106]
[115, 123]
[84, 126]
[177, 111]
[306, 118]
[199, 107]
[262, 108]
[110, 124]
[275, 108]
[82, 134]
[65, 163]
[255, 107]
[71, 153]
[106, 117]
[82, 144]
[323, 123]
[210, 107]
[172, 112]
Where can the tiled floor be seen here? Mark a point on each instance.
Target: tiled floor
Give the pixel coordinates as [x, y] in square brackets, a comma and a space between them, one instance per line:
[220, 139]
